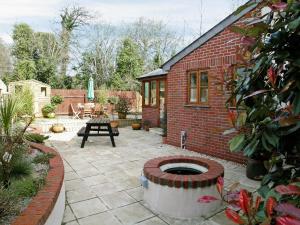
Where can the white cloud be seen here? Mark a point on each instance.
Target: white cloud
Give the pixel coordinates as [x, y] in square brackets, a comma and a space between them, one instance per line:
[13, 10]
[182, 15]
[6, 38]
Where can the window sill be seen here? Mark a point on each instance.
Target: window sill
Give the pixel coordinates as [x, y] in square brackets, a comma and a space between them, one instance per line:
[197, 106]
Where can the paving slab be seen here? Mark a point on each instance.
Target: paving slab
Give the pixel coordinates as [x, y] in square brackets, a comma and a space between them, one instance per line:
[132, 214]
[88, 207]
[105, 218]
[102, 182]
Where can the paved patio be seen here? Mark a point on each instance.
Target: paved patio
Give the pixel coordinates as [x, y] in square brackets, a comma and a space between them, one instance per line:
[102, 183]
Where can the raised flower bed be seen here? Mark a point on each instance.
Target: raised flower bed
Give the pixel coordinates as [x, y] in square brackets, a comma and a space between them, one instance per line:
[47, 207]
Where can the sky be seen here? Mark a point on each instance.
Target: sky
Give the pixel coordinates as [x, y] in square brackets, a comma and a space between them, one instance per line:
[183, 16]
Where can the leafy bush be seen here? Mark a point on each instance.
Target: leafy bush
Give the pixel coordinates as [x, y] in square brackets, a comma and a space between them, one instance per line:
[8, 204]
[123, 105]
[25, 101]
[113, 100]
[11, 140]
[24, 187]
[27, 187]
[56, 100]
[21, 167]
[101, 97]
[36, 138]
[43, 158]
[49, 108]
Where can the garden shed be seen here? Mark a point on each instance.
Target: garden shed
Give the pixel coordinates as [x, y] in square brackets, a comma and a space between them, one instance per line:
[41, 92]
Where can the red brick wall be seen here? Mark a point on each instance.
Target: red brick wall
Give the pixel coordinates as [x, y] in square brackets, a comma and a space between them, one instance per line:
[151, 114]
[204, 125]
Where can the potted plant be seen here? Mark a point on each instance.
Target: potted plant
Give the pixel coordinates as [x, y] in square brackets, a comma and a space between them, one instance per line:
[48, 111]
[146, 125]
[113, 100]
[267, 94]
[123, 107]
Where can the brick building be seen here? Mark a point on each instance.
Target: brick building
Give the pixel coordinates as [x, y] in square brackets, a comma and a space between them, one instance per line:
[187, 86]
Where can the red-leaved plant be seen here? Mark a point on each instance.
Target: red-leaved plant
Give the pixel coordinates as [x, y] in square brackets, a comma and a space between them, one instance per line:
[245, 209]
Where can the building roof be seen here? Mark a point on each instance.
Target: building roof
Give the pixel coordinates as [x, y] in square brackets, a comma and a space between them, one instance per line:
[208, 35]
[154, 73]
[29, 81]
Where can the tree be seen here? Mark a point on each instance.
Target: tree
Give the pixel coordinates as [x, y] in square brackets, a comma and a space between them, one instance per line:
[23, 42]
[129, 65]
[24, 70]
[153, 38]
[98, 59]
[46, 56]
[5, 60]
[71, 19]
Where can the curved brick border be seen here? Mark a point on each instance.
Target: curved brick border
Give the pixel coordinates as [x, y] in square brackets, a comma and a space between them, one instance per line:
[153, 172]
[40, 207]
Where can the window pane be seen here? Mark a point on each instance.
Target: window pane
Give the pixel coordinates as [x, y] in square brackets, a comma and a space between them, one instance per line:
[161, 89]
[203, 94]
[193, 87]
[204, 79]
[193, 95]
[193, 81]
[153, 93]
[146, 93]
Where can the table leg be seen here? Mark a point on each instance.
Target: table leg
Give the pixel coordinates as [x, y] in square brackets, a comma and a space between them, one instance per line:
[111, 136]
[86, 135]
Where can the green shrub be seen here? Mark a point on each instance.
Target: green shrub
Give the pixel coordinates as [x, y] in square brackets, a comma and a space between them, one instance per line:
[123, 105]
[8, 204]
[113, 100]
[102, 96]
[56, 100]
[25, 101]
[43, 158]
[36, 138]
[24, 188]
[49, 108]
[21, 167]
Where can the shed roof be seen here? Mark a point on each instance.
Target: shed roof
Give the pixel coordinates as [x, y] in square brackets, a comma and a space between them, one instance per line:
[154, 73]
[229, 20]
[30, 81]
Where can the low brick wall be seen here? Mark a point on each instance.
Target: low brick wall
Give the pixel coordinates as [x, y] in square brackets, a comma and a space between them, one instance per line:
[153, 172]
[41, 206]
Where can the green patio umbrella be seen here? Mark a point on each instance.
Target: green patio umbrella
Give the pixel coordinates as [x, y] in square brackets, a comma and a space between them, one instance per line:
[90, 92]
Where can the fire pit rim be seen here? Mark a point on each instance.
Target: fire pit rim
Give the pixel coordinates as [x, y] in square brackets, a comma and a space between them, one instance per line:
[153, 172]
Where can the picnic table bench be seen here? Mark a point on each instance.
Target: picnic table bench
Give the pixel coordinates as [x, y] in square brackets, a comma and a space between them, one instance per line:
[98, 127]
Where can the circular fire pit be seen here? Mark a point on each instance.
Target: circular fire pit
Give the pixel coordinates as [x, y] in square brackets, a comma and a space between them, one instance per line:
[175, 183]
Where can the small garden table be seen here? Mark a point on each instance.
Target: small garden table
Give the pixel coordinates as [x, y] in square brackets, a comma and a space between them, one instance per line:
[98, 127]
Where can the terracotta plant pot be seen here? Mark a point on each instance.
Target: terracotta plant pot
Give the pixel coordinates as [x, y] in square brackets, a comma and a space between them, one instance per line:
[114, 124]
[57, 128]
[51, 115]
[136, 126]
[122, 115]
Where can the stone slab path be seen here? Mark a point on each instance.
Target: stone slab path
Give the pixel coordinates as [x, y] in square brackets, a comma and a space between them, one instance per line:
[102, 183]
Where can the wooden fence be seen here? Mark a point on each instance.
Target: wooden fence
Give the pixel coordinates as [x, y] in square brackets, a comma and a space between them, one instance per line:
[75, 96]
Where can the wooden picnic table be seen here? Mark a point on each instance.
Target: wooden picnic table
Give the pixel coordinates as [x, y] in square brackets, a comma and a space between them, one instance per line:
[98, 127]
